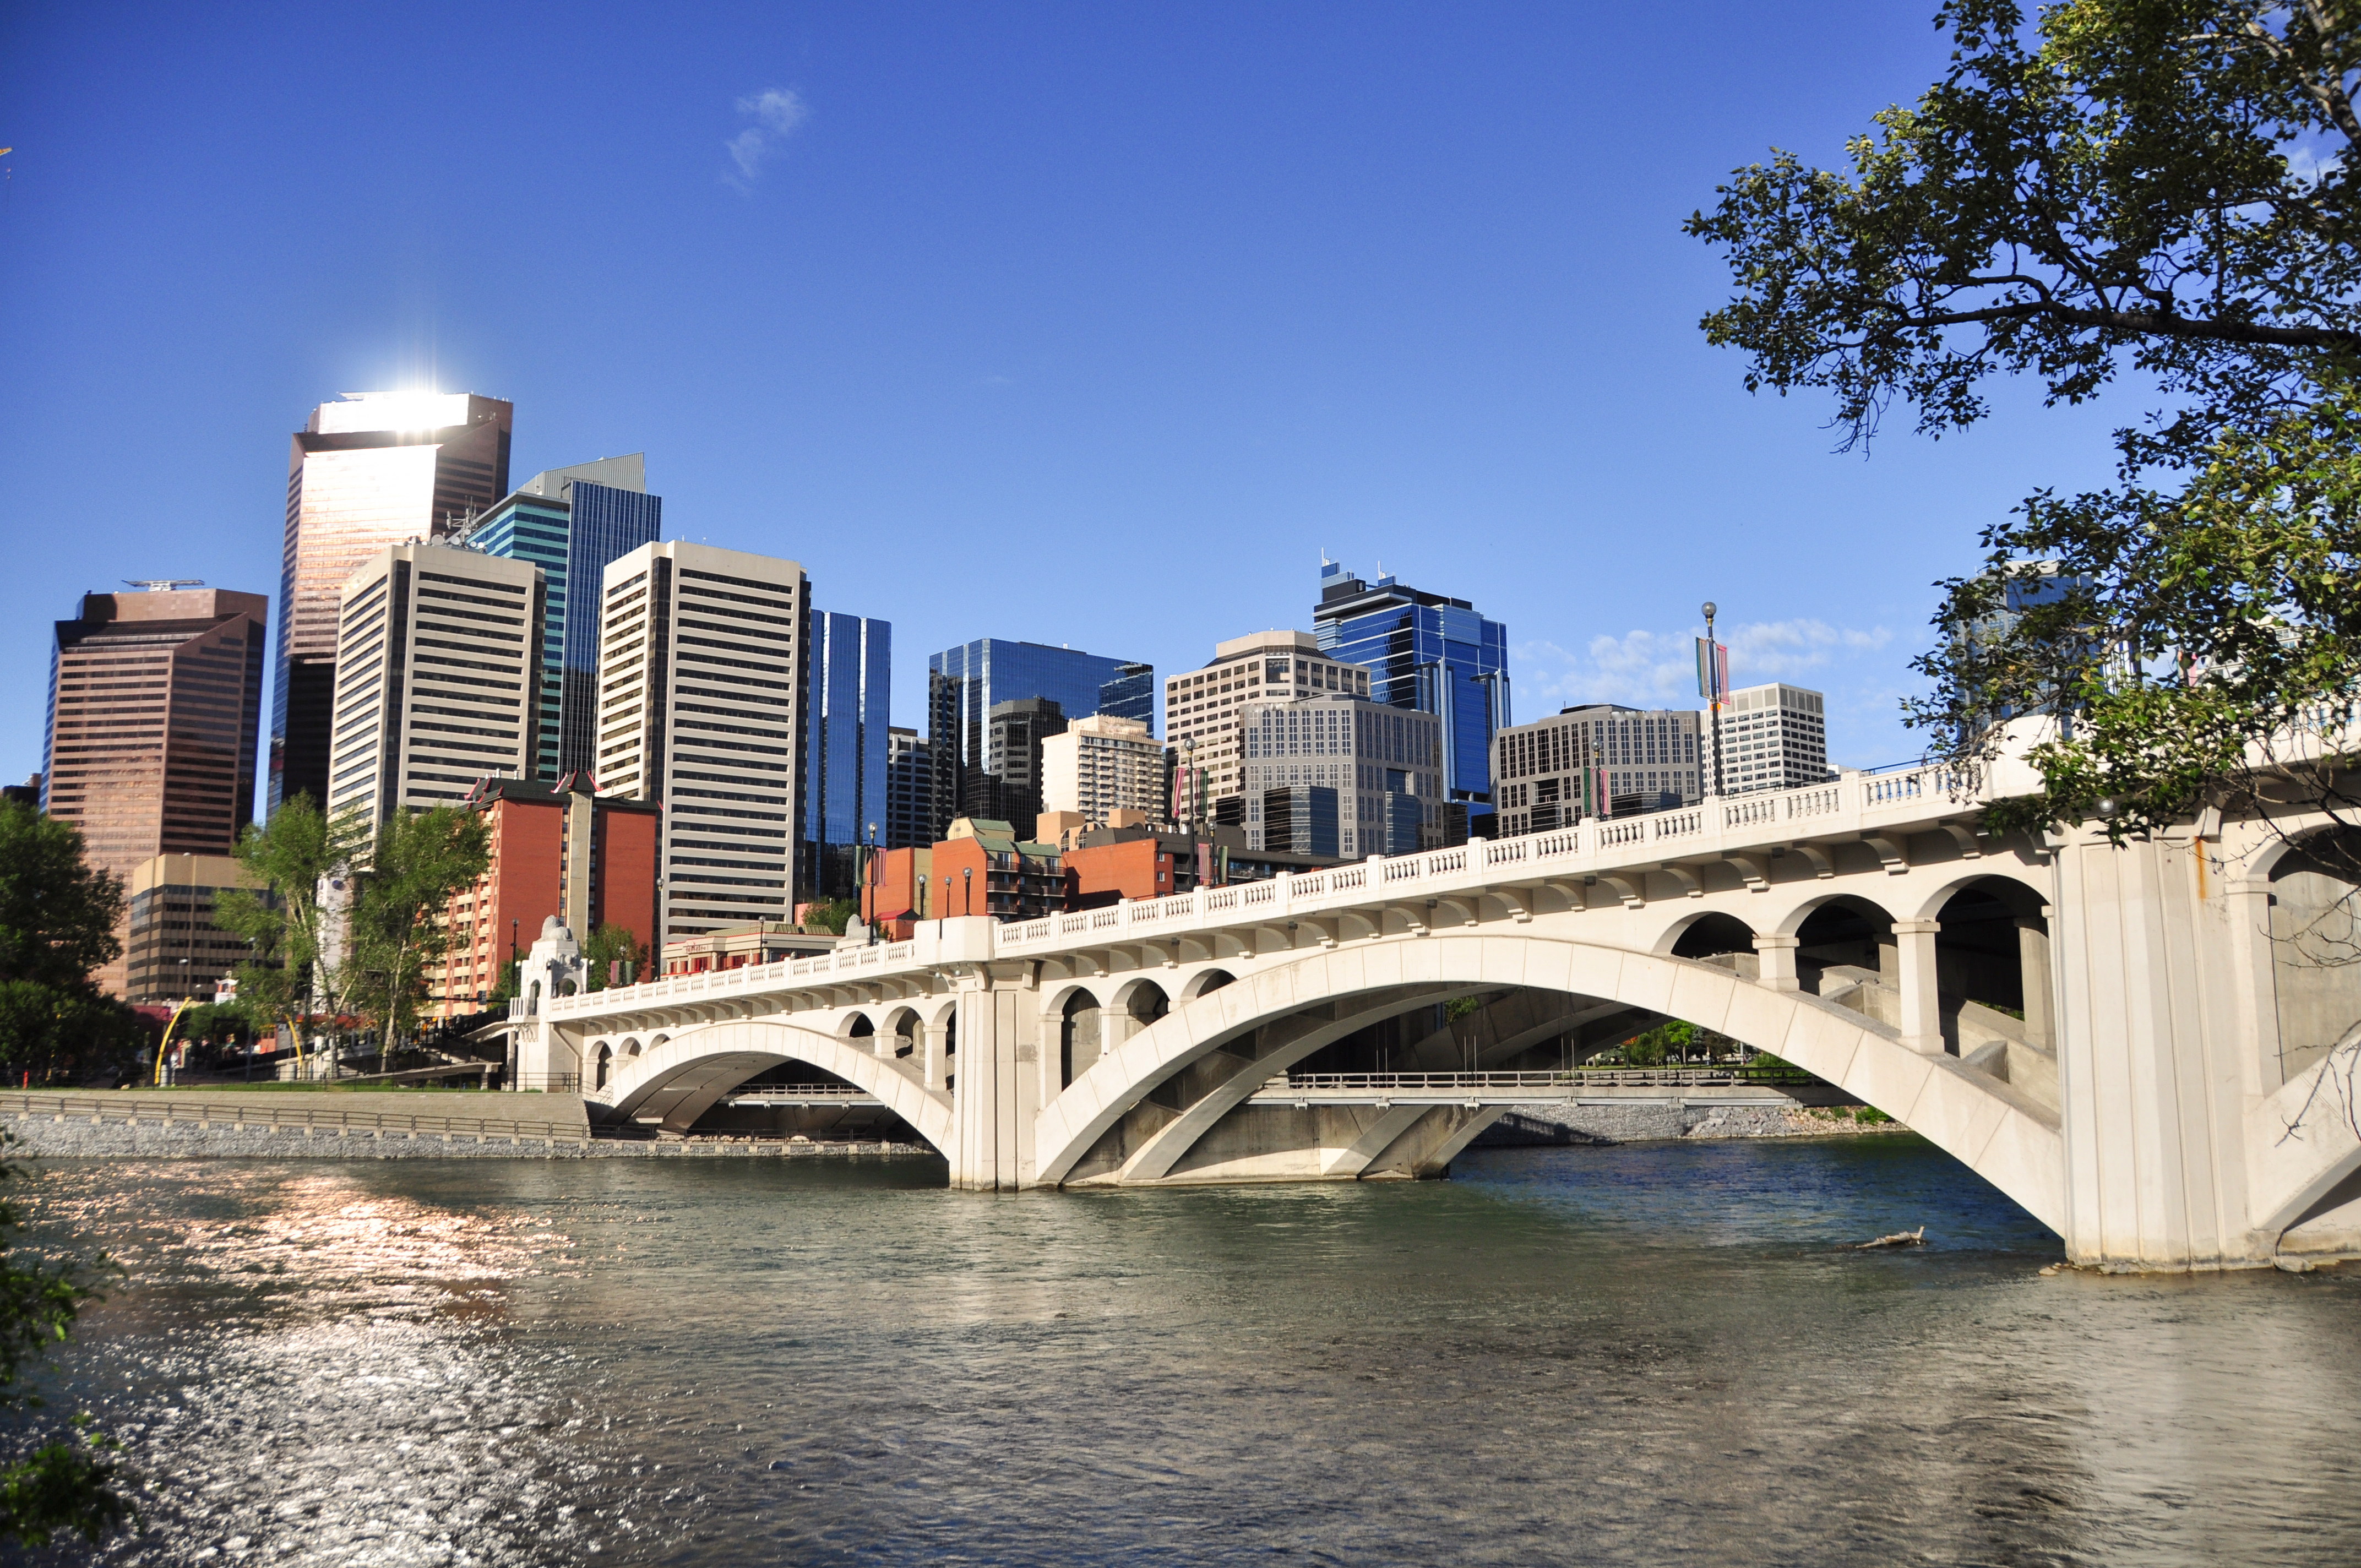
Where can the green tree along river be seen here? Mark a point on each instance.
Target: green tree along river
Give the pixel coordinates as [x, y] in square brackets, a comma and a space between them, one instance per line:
[1642, 1353]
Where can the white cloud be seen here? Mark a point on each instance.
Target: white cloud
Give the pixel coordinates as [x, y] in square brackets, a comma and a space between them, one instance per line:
[775, 113]
[1658, 669]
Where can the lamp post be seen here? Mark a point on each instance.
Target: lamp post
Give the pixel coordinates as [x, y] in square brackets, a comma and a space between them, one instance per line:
[967, 890]
[1713, 690]
[868, 880]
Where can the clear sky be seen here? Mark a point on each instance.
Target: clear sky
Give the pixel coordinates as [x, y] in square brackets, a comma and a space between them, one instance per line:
[1092, 324]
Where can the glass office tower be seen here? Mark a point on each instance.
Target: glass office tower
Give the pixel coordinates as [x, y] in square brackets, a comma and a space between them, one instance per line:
[372, 470]
[1427, 653]
[570, 522]
[844, 772]
[964, 683]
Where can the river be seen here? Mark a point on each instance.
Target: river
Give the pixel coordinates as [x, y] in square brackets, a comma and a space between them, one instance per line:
[1651, 1352]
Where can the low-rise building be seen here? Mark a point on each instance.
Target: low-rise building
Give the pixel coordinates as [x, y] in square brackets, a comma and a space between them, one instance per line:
[174, 949]
[1384, 763]
[737, 947]
[557, 850]
[983, 867]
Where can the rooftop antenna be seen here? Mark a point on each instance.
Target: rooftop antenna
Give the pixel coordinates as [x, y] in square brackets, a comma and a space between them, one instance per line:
[159, 585]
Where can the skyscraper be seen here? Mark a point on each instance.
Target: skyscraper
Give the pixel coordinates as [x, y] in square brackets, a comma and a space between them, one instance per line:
[909, 792]
[966, 683]
[570, 522]
[375, 470]
[1427, 653]
[154, 701]
[844, 770]
[702, 682]
[437, 673]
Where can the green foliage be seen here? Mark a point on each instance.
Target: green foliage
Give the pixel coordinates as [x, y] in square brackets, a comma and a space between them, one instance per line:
[1871, 1116]
[2166, 188]
[58, 920]
[66, 1485]
[290, 856]
[608, 945]
[418, 860]
[829, 916]
[1459, 1007]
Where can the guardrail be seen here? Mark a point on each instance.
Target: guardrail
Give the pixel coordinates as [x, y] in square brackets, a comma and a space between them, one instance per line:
[1577, 1078]
[1703, 831]
[302, 1110]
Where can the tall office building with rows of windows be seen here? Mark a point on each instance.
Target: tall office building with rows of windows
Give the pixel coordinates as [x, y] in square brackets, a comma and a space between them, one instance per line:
[570, 522]
[844, 767]
[965, 683]
[703, 667]
[910, 791]
[371, 470]
[155, 700]
[438, 675]
[1772, 737]
[1426, 652]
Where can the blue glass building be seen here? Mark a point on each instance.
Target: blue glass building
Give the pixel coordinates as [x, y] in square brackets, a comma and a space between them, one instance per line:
[844, 768]
[964, 683]
[570, 522]
[1427, 653]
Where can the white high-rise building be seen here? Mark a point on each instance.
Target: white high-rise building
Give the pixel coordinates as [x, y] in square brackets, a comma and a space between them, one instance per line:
[702, 671]
[438, 673]
[1101, 765]
[1773, 736]
[1202, 707]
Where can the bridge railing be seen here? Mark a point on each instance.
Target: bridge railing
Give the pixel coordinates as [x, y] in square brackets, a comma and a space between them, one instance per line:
[1706, 830]
[1572, 1081]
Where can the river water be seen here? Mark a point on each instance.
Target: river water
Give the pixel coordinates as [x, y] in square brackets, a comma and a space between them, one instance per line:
[1643, 1354]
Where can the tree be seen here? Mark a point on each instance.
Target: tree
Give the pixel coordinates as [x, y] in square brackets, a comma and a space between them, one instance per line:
[417, 862]
[608, 946]
[58, 921]
[67, 1483]
[290, 856]
[828, 916]
[2162, 189]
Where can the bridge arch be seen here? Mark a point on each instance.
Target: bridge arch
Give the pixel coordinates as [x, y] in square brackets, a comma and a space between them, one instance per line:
[1211, 978]
[1705, 934]
[2001, 1134]
[683, 1078]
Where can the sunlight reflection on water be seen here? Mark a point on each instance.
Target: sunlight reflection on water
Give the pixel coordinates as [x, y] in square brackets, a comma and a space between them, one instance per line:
[1629, 1355]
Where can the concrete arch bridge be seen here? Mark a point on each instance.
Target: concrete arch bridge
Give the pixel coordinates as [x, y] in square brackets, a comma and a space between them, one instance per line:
[2114, 1036]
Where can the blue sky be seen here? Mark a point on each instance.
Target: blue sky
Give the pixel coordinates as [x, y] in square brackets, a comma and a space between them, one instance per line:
[1092, 324]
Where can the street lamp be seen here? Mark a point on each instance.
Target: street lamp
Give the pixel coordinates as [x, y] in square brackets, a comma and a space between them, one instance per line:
[967, 890]
[1713, 691]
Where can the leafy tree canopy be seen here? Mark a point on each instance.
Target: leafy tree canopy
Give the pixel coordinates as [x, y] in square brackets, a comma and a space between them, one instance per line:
[58, 921]
[417, 862]
[2158, 186]
[608, 946]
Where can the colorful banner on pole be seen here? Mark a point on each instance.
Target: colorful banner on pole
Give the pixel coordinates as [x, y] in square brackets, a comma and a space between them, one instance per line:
[1713, 671]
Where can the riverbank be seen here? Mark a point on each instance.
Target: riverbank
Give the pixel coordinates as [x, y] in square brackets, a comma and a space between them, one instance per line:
[357, 1125]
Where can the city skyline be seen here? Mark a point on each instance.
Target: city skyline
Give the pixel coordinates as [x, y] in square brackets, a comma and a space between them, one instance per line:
[1453, 344]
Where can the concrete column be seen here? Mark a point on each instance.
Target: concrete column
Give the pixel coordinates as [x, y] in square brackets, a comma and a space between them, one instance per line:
[934, 1037]
[996, 1090]
[1922, 1016]
[2033, 969]
[1776, 959]
[2151, 1093]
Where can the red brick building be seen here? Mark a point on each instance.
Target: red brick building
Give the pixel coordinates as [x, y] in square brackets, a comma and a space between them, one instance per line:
[561, 850]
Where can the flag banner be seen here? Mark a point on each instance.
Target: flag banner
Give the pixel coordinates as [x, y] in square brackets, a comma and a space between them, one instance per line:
[1713, 670]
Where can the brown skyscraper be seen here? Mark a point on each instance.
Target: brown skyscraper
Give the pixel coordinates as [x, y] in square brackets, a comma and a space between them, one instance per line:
[155, 700]
[375, 470]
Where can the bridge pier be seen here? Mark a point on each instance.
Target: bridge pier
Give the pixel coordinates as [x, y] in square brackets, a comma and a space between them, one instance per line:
[995, 1078]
